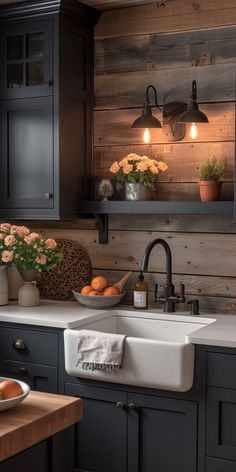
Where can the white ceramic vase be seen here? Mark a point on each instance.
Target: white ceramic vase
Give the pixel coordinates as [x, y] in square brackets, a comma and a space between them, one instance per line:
[3, 286]
[28, 294]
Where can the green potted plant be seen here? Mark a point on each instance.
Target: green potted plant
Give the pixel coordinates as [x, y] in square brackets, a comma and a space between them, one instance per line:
[209, 175]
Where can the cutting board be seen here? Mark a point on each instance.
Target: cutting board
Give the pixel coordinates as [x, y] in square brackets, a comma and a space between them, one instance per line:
[72, 273]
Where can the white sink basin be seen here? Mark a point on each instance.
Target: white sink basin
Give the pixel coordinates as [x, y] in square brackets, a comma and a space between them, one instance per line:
[156, 354]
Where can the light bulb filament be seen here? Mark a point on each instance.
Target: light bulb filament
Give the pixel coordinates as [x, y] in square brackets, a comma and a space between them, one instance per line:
[193, 131]
[146, 136]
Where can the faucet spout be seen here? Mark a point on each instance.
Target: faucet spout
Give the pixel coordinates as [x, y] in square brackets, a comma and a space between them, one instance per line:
[166, 247]
[168, 299]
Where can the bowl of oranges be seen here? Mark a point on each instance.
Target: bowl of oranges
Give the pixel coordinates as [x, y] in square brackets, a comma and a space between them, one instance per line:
[12, 392]
[99, 294]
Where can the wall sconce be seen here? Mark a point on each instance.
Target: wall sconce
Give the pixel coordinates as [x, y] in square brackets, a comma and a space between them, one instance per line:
[147, 120]
[170, 111]
[193, 115]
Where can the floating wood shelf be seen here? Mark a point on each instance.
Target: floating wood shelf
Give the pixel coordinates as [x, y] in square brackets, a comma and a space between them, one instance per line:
[101, 209]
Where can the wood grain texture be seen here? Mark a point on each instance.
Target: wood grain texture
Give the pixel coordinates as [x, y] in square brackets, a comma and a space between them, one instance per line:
[174, 223]
[165, 51]
[38, 417]
[194, 285]
[216, 83]
[180, 169]
[199, 254]
[113, 127]
[179, 15]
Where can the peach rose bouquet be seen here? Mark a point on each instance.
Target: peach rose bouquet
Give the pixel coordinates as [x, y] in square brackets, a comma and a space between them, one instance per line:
[25, 250]
[137, 169]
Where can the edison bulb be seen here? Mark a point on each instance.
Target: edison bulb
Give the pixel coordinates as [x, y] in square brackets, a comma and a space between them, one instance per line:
[146, 136]
[193, 131]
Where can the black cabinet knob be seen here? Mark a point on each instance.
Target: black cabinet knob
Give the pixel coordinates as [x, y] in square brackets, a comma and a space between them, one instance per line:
[120, 405]
[48, 83]
[20, 345]
[23, 370]
[132, 407]
[48, 195]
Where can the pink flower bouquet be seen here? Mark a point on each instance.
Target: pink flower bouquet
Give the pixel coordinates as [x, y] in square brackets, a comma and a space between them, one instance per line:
[137, 169]
[25, 250]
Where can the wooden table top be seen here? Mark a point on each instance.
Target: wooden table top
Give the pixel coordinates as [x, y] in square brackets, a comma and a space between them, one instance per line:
[38, 417]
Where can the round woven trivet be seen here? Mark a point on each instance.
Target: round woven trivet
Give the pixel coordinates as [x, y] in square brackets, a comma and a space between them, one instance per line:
[72, 273]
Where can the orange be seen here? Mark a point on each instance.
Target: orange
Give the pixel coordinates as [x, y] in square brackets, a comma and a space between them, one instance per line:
[86, 290]
[93, 293]
[99, 283]
[110, 291]
[10, 389]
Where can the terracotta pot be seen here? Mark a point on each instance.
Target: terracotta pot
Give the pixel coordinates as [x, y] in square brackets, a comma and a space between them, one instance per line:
[209, 190]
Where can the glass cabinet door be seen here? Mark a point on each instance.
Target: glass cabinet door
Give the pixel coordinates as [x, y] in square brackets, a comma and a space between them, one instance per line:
[26, 60]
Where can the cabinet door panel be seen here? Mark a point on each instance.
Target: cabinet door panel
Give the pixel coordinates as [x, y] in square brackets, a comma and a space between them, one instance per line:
[27, 153]
[217, 465]
[26, 60]
[100, 439]
[162, 435]
[38, 377]
[221, 423]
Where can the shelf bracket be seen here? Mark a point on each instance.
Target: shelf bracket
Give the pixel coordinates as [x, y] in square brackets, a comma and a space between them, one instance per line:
[102, 220]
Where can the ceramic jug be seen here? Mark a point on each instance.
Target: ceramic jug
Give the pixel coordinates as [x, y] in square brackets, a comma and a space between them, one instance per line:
[28, 295]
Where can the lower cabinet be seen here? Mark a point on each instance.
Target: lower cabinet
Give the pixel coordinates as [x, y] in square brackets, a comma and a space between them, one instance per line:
[221, 423]
[123, 432]
[218, 465]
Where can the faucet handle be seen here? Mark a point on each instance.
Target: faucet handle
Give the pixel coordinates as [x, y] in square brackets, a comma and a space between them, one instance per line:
[194, 306]
[181, 297]
[182, 289]
[155, 292]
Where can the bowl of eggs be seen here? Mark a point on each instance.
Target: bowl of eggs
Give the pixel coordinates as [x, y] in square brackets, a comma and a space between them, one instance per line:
[12, 392]
[99, 293]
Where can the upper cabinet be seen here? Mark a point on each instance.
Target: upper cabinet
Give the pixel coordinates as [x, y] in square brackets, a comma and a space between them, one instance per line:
[46, 98]
[27, 60]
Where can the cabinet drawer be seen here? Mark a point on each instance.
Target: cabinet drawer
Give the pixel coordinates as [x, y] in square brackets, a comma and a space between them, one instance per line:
[217, 465]
[221, 370]
[29, 346]
[38, 377]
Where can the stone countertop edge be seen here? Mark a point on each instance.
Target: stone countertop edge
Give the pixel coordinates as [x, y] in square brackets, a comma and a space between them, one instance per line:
[69, 315]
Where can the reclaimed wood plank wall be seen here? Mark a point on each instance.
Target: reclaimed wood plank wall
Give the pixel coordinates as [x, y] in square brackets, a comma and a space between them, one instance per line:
[167, 46]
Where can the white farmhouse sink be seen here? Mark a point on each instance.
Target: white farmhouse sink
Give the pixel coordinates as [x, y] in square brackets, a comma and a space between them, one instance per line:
[156, 354]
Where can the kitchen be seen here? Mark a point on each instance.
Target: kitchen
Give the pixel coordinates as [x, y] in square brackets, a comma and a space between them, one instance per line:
[168, 45]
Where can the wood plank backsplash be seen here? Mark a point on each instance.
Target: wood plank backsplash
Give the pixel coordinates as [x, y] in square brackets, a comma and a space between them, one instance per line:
[168, 47]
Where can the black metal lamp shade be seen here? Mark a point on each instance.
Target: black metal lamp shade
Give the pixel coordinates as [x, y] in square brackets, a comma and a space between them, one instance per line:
[147, 120]
[193, 114]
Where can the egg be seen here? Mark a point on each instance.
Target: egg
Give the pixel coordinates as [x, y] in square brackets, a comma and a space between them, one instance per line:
[10, 389]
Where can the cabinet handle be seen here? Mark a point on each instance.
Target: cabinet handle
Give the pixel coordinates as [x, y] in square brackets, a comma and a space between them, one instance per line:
[120, 405]
[20, 345]
[132, 407]
[48, 83]
[23, 370]
[48, 195]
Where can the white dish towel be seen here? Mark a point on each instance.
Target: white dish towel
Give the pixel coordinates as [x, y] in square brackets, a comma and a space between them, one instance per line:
[100, 351]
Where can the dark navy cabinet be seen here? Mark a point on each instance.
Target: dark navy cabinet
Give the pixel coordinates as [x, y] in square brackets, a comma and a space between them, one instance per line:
[221, 409]
[162, 432]
[131, 432]
[127, 428]
[46, 97]
[26, 54]
[31, 356]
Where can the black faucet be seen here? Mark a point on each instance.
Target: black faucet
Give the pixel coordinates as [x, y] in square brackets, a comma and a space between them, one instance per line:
[168, 298]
